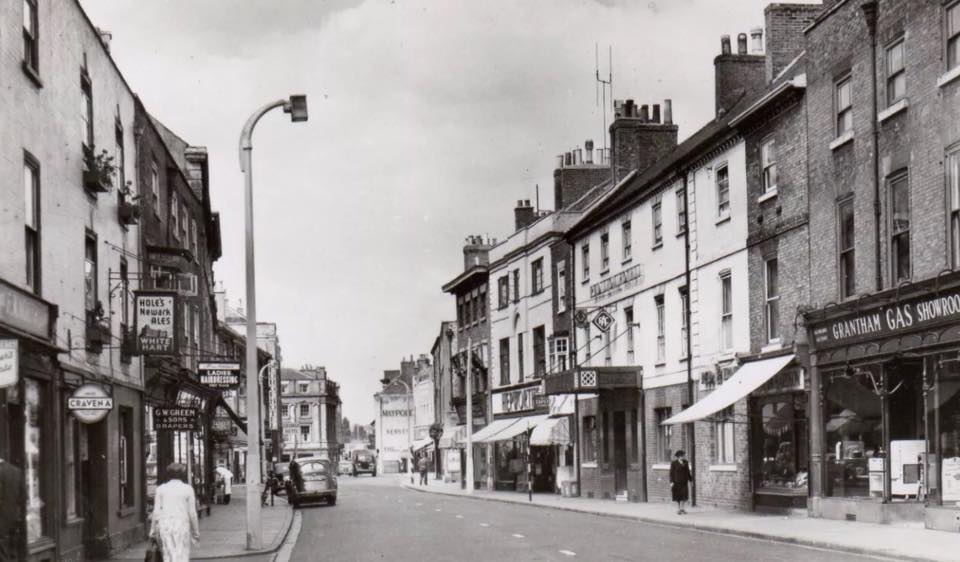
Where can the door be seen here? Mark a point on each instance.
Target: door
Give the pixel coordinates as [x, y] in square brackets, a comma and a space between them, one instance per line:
[620, 451]
[93, 486]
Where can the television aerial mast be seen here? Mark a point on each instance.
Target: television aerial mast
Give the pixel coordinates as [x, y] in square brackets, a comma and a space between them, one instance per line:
[602, 86]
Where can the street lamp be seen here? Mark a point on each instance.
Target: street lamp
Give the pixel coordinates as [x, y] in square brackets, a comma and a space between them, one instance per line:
[387, 382]
[296, 106]
[260, 374]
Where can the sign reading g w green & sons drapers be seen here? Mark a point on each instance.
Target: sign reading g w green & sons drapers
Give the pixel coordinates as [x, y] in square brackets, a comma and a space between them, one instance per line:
[175, 418]
[156, 322]
[913, 314]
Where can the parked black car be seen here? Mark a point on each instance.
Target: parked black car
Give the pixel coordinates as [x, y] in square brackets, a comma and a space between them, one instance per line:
[364, 461]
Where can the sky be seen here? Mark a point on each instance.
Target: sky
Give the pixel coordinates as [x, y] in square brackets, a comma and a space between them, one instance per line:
[428, 121]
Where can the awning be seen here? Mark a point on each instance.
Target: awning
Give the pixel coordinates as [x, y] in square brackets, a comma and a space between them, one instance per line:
[749, 377]
[552, 431]
[421, 443]
[519, 425]
[493, 427]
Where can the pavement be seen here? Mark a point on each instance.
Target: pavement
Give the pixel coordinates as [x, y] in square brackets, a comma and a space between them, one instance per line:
[379, 519]
[908, 541]
[223, 534]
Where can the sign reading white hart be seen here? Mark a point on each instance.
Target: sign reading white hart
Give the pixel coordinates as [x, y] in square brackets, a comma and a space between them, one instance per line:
[156, 322]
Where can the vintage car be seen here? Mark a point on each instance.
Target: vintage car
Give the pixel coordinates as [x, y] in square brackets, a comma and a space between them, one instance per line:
[344, 467]
[312, 481]
[364, 462]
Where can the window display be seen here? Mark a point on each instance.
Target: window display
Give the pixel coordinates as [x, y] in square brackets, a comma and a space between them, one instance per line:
[32, 445]
[853, 430]
[947, 396]
[783, 454]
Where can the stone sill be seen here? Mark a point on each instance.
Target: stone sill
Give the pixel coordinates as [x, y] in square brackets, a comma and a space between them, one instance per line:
[770, 194]
[948, 77]
[894, 109]
[31, 74]
[661, 466]
[723, 218]
[841, 140]
[657, 245]
[772, 346]
[724, 468]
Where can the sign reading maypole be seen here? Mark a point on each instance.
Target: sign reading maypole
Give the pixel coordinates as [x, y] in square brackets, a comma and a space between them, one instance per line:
[156, 322]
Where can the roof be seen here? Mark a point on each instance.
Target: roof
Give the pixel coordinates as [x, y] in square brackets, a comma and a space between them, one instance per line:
[479, 271]
[288, 374]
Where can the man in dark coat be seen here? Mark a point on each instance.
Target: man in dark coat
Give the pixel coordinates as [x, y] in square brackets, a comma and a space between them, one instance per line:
[12, 498]
[680, 478]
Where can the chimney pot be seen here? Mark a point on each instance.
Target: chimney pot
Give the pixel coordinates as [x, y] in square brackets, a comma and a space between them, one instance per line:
[644, 113]
[579, 154]
[559, 160]
[667, 112]
[588, 152]
[756, 40]
[566, 158]
[656, 113]
[724, 44]
[742, 44]
[628, 109]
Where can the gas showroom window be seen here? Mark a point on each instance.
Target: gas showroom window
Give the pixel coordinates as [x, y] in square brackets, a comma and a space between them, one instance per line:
[724, 439]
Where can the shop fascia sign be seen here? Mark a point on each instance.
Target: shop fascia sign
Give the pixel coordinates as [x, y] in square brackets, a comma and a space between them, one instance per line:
[175, 418]
[156, 315]
[627, 278]
[90, 403]
[9, 363]
[219, 374]
[913, 314]
[517, 400]
[23, 311]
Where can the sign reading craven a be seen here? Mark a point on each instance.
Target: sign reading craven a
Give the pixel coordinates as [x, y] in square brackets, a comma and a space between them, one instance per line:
[219, 374]
[90, 403]
[156, 322]
[176, 418]
[908, 315]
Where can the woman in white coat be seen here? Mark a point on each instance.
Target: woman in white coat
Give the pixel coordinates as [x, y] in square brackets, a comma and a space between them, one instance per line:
[174, 519]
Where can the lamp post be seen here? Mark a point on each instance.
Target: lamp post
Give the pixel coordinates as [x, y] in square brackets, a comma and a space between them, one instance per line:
[387, 382]
[296, 106]
[260, 374]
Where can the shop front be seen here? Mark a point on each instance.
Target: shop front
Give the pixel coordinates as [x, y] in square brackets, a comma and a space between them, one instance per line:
[609, 432]
[33, 517]
[885, 441]
[553, 434]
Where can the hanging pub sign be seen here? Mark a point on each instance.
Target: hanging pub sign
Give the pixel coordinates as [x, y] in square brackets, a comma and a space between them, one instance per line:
[90, 403]
[912, 314]
[9, 363]
[222, 375]
[175, 418]
[156, 322]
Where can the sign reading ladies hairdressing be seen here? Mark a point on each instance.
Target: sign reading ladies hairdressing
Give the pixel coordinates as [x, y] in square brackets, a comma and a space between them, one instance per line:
[175, 418]
[224, 375]
[908, 315]
[156, 325]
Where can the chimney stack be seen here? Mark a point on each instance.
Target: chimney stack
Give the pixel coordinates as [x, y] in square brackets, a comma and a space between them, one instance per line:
[784, 39]
[629, 109]
[742, 44]
[639, 139]
[644, 113]
[667, 112]
[475, 252]
[588, 150]
[725, 45]
[756, 40]
[523, 214]
[655, 118]
[568, 159]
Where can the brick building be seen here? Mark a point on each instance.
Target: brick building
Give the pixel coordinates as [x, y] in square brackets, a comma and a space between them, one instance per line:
[310, 410]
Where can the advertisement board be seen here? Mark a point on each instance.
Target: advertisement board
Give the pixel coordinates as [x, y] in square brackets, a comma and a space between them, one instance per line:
[175, 418]
[9, 363]
[395, 426]
[156, 322]
[219, 374]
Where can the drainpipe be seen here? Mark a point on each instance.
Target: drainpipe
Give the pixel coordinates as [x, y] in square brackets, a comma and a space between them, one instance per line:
[689, 343]
[869, 9]
[571, 313]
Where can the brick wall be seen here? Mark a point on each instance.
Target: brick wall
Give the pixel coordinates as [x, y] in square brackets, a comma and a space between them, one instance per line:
[784, 28]
[736, 77]
[637, 144]
[719, 486]
[572, 182]
[658, 477]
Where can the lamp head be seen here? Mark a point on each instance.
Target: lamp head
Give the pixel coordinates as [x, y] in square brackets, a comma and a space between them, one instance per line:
[296, 107]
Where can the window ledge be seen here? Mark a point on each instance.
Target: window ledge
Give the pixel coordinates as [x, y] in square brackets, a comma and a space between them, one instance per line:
[841, 140]
[773, 345]
[31, 74]
[588, 465]
[605, 272]
[73, 521]
[585, 281]
[681, 232]
[657, 245]
[127, 511]
[724, 468]
[948, 76]
[770, 194]
[894, 109]
[660, 364]
[626, 261]
[723, 218]
[661, 466]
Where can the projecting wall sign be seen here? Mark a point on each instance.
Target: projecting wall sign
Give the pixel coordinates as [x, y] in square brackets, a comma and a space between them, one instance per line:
[90, 403]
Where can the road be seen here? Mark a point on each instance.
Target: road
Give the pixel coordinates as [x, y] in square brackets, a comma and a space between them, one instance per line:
[375, 519]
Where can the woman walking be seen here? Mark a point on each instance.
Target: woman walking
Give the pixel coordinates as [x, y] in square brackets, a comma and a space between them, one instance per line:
[679, 481]
[174, 519]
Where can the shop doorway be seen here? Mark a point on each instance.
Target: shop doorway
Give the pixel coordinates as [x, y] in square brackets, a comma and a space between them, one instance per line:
[620, 451]
[779, 451]
[93, 486]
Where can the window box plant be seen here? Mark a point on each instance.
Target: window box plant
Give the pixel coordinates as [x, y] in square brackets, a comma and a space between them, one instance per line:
[128, 210]
[98, 330]
[98, 170]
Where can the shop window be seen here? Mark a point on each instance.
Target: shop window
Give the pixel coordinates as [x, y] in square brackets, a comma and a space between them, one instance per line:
[71, 466]
[150, 462]
[947, 394]
[848, 281]
[664, 450]
[37, 493]
[562, 286]
[853, 433]
[125, 455]
[661, 329]
[536, 276]
[590, 438]
[504, 361]
[900, 228]
[724, 437]
[783, 443]
[520, 358]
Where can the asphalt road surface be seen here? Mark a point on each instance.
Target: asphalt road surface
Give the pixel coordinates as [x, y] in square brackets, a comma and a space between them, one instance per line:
[375, 519]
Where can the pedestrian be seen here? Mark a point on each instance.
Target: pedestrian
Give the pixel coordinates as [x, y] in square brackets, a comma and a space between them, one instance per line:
[424, 467]
[680, 478]
[174, 518]
[12, 518]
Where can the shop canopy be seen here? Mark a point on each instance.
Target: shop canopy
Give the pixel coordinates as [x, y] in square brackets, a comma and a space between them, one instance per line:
[496, 426]
[749, 377]
[420, 444]
[519, 426]
[552, 431]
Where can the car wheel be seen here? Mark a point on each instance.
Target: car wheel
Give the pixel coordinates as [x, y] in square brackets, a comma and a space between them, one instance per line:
[374, 474]
[332, 501]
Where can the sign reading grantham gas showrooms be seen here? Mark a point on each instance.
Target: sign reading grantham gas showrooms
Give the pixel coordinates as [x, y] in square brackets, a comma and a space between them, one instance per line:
[219, 374]
[904, 316]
